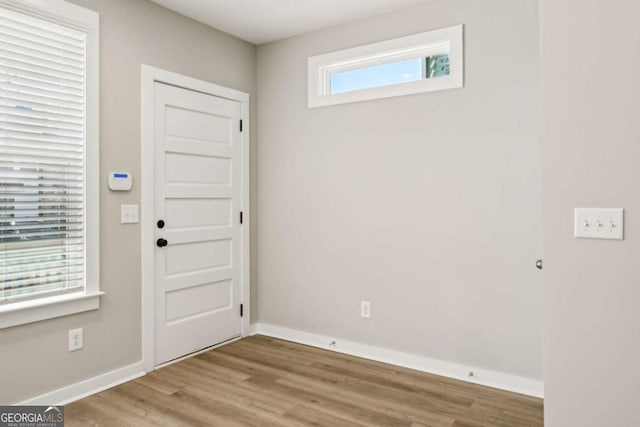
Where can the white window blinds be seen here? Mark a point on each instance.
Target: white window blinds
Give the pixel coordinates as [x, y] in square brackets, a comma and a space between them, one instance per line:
[42, 157]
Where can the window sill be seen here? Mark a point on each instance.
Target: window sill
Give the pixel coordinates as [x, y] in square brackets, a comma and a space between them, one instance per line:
[21, 313]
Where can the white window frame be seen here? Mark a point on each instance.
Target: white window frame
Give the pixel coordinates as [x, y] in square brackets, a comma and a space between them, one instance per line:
[430, 43]
[47, 307]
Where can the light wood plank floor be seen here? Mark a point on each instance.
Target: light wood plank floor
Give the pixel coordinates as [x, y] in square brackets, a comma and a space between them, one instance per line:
[260, 381]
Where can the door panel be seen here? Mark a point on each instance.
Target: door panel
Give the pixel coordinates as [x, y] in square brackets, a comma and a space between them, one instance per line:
[197, 194]
[192, 257]
[198, 212]
[198, 300]
[201, 126]
[197, 169]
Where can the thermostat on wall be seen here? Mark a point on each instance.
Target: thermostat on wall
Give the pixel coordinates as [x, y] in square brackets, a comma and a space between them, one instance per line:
[120, 181]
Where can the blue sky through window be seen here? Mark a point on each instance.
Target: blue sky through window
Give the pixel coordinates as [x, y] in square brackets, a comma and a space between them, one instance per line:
[378, 75]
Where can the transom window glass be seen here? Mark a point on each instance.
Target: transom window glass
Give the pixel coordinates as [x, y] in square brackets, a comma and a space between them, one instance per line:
[392, 73]
[420, 63]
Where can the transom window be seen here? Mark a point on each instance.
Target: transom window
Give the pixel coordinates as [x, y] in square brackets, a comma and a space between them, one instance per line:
[414, 64]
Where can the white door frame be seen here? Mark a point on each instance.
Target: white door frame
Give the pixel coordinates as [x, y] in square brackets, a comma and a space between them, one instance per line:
[149, 76]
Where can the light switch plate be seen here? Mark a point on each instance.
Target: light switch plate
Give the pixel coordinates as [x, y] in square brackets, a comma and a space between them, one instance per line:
[129, 214]
[599, 223]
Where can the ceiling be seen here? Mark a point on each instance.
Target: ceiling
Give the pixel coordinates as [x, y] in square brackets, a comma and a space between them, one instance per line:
[262, 21]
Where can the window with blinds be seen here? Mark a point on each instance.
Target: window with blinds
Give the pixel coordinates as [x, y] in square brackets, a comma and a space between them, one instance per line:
[43, 162]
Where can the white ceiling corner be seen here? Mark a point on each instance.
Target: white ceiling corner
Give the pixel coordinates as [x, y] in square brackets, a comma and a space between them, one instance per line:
[263, 21]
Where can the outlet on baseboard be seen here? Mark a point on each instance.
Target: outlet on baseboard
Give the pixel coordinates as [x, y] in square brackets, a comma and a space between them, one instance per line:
[365, 309]
[75, 339]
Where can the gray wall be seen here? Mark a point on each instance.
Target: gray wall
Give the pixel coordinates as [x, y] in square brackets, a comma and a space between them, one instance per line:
[591, 157]
[427, 205]
[34, 358]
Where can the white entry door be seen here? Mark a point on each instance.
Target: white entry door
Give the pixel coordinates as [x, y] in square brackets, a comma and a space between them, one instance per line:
[197, 214]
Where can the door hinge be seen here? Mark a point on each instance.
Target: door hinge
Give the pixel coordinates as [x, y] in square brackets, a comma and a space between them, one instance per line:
[241, 217]
[240, 125]
[241, 310]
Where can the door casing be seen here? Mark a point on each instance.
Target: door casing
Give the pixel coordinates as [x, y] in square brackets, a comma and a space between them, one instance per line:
[150, 75]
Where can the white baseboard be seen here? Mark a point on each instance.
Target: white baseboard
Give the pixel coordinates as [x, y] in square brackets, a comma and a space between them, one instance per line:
[514, 383]
[73, 392]
[253, 329]
[485, 377]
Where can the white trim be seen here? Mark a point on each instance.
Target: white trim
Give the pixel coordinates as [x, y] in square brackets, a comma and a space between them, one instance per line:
[92, 156]
[150, 75]
[253, 330]
[57, 11]
[34, 310]
[321, 67]
[245, 229]
[500, 380]
[147, 179]
[82, 389]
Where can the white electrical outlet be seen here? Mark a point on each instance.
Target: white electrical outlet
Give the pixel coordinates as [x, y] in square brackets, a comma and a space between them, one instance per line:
[597, 223]
[75, 339]
[365, 309]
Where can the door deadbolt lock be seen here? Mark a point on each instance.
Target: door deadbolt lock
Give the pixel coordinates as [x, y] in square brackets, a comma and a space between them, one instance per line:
[160, 223]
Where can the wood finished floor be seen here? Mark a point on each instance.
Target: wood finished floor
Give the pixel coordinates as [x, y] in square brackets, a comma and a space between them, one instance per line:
[260, 381]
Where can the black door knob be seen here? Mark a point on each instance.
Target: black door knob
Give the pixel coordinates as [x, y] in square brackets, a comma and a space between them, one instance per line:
[539, 264]
[162, 243]
[160, 223]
